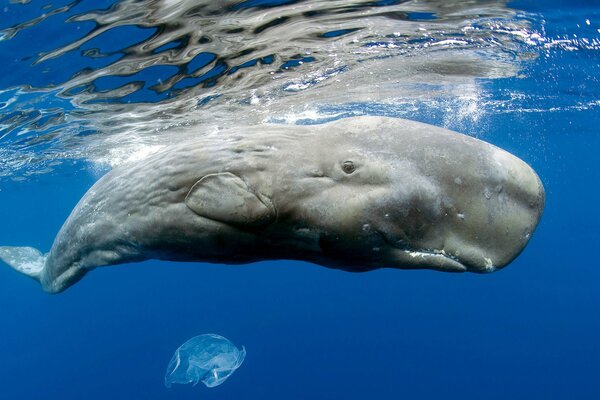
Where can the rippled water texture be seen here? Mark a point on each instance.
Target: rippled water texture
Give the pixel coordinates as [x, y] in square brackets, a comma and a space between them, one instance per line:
[109, 80]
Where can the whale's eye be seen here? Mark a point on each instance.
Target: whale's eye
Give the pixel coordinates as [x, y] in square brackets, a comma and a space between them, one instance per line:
[348, 167]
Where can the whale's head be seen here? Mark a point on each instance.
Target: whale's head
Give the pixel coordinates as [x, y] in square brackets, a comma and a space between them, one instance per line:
[395, 193]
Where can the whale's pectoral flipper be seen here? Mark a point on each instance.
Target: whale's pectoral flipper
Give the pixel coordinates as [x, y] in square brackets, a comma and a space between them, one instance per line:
[225, 197]
[26, 260]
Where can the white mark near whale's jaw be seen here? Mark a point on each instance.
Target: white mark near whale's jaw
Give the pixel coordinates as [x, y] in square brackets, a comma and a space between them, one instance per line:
[435, 259]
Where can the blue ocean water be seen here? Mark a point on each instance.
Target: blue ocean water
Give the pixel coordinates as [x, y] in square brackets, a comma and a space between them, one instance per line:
[529, 331]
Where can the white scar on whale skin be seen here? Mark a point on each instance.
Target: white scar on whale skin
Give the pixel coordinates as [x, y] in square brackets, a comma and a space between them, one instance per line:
[354, 194]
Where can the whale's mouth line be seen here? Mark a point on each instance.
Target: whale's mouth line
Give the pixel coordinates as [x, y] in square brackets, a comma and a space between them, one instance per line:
[437, 258]
[430, 258]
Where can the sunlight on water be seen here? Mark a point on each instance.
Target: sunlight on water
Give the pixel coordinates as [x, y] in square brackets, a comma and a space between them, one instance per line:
[117, 82]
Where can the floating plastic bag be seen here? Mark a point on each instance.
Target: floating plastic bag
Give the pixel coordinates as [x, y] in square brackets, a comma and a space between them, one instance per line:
[208, 358]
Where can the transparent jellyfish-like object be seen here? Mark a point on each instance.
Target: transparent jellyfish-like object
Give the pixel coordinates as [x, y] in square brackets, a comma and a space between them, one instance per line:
[208, 358]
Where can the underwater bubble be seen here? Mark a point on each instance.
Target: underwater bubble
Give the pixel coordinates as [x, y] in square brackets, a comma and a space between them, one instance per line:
[208, 358]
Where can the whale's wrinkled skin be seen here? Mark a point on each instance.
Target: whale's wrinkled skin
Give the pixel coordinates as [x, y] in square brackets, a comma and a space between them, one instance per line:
[355, 194]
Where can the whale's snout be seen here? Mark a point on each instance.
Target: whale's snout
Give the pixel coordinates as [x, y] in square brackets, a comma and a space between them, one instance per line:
[501, 215]
[516, 215]
[469, 206]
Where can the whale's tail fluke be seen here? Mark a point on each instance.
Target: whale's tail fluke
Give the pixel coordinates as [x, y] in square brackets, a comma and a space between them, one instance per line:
[26, 260]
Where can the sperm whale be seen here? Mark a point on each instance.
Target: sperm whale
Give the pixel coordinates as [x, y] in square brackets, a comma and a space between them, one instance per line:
[354, 194]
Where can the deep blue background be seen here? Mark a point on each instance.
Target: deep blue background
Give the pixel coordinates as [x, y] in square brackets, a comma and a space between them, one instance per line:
[529, 331]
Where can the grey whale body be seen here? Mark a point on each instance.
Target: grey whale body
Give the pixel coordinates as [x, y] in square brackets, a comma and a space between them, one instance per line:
[355, 194]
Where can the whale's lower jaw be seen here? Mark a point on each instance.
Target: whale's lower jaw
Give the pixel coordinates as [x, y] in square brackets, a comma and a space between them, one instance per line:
[412, 257]
[436, 260]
